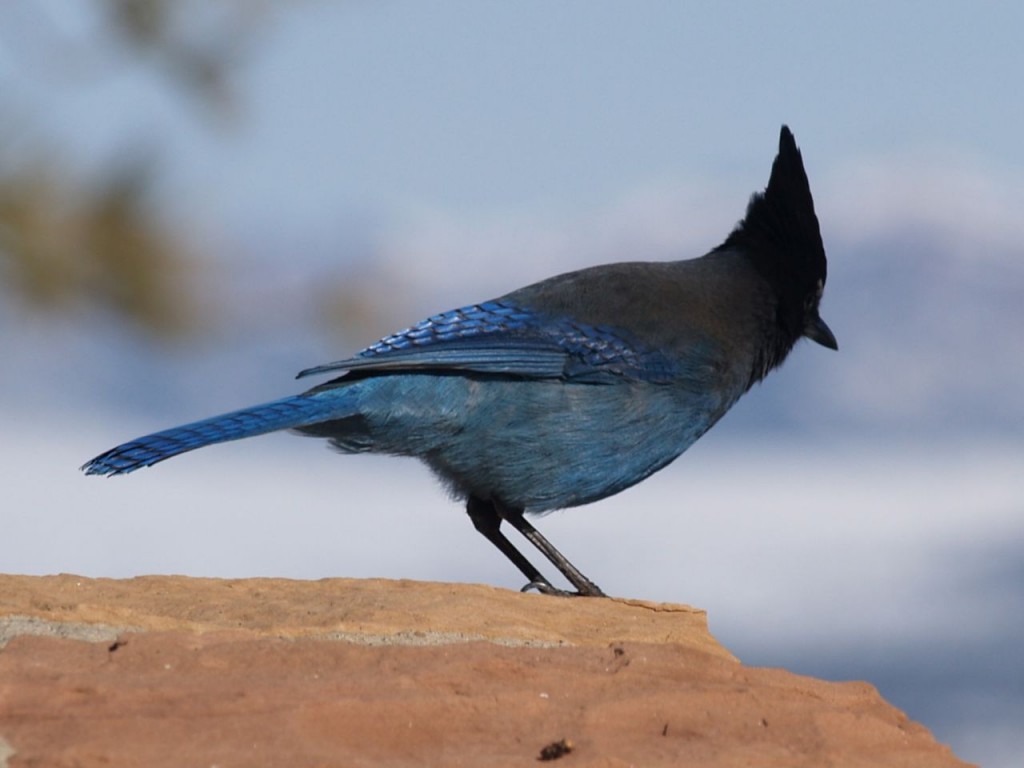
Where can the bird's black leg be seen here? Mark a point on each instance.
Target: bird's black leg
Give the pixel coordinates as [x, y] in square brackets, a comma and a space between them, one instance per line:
[487, 520]
[584, 586]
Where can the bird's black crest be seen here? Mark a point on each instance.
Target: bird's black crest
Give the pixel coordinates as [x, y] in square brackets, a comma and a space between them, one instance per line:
[780, 231]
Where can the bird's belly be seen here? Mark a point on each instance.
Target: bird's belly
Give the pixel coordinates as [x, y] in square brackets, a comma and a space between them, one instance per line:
[536, 445]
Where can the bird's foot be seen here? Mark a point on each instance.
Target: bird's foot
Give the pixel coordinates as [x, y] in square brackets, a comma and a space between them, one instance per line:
[545, 588]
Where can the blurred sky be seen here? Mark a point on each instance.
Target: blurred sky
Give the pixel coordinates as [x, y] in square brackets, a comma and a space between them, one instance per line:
[433, 154]
[537, 112]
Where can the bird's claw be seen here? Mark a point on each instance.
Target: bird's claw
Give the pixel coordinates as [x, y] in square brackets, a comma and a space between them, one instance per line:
[545, 588]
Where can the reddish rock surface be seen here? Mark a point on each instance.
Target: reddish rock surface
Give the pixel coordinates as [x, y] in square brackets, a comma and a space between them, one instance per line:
[172, 671]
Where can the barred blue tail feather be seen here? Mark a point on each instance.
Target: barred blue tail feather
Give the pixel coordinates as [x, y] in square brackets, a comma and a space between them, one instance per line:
[287, 413]
[568, 390]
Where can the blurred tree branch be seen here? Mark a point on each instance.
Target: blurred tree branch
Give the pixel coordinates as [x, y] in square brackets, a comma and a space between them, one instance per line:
[197, 44]
[67, 241]
[64, 245]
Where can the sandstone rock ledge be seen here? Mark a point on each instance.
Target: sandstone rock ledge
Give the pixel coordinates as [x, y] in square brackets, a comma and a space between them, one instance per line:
[174, 671]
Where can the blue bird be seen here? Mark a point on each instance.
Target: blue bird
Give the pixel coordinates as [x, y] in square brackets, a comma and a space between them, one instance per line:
[568, 390]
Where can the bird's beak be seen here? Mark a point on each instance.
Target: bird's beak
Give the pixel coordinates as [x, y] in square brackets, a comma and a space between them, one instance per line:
[816, 330]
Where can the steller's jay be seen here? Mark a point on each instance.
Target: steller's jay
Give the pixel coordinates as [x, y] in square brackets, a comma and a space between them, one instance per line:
[569, 390]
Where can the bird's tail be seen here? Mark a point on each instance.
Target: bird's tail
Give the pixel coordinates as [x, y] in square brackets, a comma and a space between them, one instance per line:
[298, 411]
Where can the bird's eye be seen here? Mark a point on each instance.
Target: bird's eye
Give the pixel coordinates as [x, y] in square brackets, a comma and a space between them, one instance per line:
[813, 299]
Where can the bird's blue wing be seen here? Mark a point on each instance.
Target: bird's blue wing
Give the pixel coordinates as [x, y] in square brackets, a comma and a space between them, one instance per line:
[497, 337]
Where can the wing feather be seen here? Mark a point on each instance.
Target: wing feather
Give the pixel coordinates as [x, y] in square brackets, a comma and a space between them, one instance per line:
[500, 338]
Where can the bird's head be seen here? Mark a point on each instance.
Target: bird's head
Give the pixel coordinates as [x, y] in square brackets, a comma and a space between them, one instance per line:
[780, 236]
